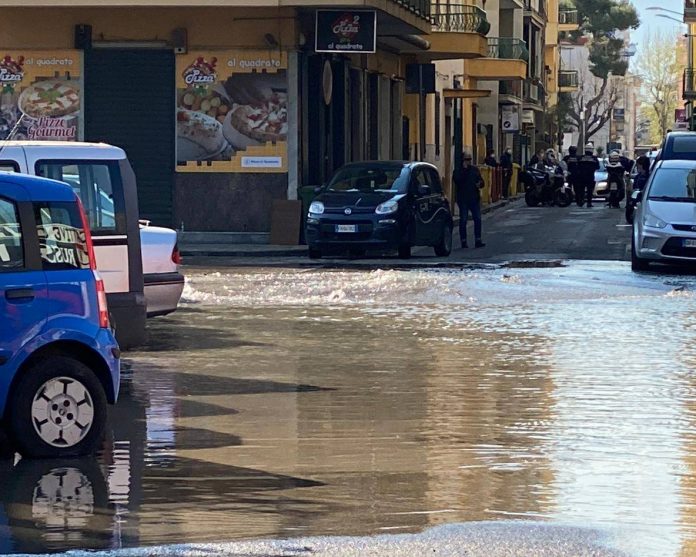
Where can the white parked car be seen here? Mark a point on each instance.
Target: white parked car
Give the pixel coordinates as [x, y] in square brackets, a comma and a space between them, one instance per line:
[664, 224]
[129, 254]
[161, 259]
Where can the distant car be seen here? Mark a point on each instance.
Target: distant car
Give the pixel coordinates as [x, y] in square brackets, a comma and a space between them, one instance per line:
[59, 361]
[164, 283]
[600, 177]
[664, 223]
[385, 205]
[677, 146]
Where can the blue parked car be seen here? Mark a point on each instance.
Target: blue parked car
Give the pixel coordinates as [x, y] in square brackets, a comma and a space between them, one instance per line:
[59, 361]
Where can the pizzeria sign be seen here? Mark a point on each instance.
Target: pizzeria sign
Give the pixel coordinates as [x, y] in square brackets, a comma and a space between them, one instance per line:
[346, 31]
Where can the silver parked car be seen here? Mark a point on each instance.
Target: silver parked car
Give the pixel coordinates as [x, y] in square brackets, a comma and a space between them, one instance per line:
[664, 226]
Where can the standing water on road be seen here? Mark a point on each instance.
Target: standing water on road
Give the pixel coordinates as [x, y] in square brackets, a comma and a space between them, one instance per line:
[290, 403]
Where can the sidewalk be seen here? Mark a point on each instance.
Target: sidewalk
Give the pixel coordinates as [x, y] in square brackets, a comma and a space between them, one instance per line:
[203, 249]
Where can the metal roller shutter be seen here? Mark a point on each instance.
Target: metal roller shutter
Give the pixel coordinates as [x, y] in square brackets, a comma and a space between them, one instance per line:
[130, 100]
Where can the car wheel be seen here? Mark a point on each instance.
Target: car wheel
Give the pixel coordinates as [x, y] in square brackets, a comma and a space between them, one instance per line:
[314, 253]
[444, 248]
[405, 251]
[58, 409]
[637, 264]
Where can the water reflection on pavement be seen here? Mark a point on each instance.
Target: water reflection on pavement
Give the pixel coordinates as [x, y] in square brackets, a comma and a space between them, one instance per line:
[294, 403]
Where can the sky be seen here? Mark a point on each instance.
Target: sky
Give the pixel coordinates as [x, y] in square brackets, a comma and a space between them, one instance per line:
[648, 21]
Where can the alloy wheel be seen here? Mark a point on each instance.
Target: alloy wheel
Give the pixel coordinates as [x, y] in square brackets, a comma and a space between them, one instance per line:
[62, 412]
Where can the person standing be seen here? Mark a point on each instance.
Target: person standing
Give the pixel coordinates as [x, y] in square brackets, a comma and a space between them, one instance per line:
[572, 160]
[587, 166]
[490, 159]
[536, 159]
[468, 183]
[506, 164]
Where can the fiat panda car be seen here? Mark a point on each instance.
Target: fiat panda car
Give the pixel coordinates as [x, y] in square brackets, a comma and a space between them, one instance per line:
[59, 361]
[381, 206]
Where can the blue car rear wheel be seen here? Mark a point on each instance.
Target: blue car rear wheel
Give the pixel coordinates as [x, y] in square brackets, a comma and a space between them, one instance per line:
[58, 409]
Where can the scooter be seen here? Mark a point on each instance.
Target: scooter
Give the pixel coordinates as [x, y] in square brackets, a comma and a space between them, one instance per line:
[546, 186]
[616, 189]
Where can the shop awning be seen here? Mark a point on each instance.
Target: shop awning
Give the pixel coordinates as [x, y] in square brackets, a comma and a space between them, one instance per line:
[466, 93]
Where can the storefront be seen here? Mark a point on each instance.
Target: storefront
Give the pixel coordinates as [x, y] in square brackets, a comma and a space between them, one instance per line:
[198, 98]
[220, 110]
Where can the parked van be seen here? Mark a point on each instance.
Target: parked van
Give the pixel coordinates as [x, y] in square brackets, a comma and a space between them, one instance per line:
[59, 362]
[104, 181]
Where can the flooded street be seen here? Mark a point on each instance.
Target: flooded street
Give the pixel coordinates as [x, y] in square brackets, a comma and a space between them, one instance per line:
[292, 403]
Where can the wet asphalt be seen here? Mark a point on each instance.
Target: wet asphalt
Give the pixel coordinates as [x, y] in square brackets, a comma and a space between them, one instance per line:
[482, 411]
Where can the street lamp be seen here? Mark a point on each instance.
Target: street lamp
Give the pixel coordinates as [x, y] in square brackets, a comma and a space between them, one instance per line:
[670, 17]
[658, 8]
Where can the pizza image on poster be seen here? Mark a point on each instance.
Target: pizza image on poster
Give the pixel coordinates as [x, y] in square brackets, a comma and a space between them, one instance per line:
[40, 95]
[232, 111]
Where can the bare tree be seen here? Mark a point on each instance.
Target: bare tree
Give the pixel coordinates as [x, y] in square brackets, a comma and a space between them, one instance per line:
[592, 104]
[660, 65]
[600, 22]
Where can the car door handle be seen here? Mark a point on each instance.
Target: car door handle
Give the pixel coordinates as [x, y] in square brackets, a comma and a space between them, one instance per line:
[19, 294]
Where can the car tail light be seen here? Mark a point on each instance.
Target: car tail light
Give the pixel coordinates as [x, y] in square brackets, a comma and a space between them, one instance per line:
[88, 236]
[176, 255]
[101, 303]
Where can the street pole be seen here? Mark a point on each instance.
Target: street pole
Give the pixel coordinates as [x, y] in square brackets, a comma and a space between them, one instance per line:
[421, 110]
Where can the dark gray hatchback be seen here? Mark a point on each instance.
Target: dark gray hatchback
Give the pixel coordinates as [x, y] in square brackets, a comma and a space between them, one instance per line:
[381, 206]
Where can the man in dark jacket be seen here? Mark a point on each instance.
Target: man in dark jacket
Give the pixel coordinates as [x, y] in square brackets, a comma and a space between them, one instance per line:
[587, 166]
[468, 182]
[490, 159]
[506, 164]
[572, 160]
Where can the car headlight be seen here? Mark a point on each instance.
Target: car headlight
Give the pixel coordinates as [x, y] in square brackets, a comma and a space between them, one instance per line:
[316, 207]
[653, 221]
[387, 207]
[601, 184]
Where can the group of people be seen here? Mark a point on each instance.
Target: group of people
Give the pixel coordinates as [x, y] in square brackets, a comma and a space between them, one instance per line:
[581, 170]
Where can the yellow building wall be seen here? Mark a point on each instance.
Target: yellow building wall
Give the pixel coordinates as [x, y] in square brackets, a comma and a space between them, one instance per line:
[53, 28]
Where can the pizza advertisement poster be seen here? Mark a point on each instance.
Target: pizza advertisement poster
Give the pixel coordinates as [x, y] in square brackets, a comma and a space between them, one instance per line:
[40, 95]
[232, 113]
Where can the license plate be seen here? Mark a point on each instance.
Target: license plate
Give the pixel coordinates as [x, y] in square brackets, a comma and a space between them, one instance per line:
[345, 228]
[690, 243]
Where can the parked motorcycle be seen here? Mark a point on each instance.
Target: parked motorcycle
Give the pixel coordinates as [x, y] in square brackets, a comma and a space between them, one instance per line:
[546, 186]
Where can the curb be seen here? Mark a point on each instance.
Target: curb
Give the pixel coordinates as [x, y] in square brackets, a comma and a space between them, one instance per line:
[229, 250]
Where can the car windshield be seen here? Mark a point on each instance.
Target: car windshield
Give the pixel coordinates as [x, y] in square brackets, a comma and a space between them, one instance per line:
[674, 184]
[370, 177]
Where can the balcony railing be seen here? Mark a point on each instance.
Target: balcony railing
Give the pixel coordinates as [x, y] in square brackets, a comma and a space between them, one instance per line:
[689, 84]
[419, 7]
[507, 48]
[459, 19]
[568, 17]
[568, 79]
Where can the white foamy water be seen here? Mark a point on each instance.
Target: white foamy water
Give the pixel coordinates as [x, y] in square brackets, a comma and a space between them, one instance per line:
[427, 287]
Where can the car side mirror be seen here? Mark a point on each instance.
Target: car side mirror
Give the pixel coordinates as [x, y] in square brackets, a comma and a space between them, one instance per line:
[317, 189]
[423, 190]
